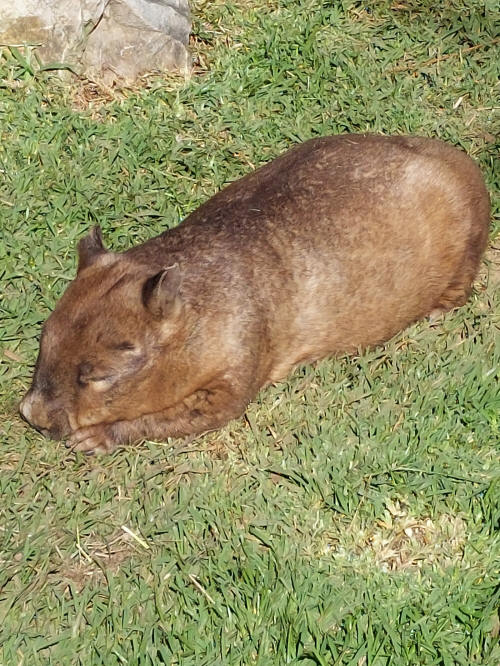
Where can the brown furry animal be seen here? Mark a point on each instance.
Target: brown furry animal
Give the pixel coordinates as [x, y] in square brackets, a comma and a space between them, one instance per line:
[337, 244]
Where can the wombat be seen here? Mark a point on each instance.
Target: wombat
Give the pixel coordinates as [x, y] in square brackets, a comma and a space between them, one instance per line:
[334, 246]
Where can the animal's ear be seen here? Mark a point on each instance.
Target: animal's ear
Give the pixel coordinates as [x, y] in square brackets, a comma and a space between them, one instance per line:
[160, 292]
[90, 248]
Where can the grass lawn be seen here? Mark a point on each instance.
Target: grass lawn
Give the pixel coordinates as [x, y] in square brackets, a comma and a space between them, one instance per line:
[352, 517]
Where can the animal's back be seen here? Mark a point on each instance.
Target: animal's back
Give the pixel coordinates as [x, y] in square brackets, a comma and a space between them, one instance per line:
[347, 240]
[336, 245]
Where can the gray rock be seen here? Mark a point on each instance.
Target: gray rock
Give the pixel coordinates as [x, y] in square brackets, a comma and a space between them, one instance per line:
[106, 39]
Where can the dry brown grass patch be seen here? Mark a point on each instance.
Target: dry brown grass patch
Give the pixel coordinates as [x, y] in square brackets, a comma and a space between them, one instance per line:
[401, 541]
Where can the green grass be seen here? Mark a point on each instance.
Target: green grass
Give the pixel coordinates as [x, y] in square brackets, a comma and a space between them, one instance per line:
[352, 517]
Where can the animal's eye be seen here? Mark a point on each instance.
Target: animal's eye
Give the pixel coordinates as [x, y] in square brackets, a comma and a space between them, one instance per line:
[88, 374]
[125, 346]
[101, 383]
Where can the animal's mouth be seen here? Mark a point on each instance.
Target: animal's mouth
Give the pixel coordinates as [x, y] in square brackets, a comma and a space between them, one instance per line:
[54, 433]
[43, 431]
[45, 424]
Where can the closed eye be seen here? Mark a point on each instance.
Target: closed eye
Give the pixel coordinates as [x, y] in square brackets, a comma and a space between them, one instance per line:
[125, 346]
[101, 383]
[84, 380]
[88, 374]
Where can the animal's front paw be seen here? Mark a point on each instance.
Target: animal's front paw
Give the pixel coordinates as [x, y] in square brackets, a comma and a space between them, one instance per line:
[93, 439]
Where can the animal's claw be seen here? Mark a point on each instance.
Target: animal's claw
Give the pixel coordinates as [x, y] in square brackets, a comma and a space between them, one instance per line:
[91, 440]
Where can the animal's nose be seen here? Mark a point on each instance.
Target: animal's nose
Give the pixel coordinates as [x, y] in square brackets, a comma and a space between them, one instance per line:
[25, 407]
[32, 411]
[48, 417]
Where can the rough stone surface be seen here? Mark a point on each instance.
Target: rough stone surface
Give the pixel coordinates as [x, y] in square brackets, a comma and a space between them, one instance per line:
[107, 39]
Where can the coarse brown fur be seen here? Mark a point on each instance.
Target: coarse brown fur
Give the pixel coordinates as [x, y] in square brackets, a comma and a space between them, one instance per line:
[334, 246]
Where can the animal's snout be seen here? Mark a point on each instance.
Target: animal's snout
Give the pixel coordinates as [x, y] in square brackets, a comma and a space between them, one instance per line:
[25, 408]
[34, 410]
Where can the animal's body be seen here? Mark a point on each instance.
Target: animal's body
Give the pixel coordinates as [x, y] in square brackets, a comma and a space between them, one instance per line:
[334, 246]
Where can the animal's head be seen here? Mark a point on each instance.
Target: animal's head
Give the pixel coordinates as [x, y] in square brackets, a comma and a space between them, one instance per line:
[110, 349]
